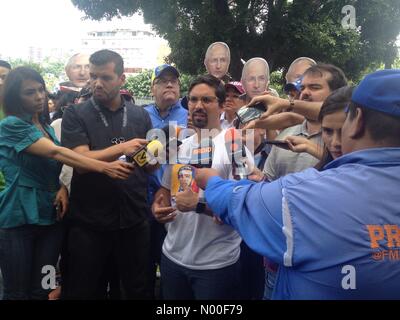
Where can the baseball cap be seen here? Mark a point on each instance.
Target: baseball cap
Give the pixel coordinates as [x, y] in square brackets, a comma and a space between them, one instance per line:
[293, 86]
[236, 85]
[158, 71]
[380, 91]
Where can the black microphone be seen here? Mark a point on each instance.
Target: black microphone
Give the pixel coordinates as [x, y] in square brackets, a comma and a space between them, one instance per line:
[202, 156]
[236, 154]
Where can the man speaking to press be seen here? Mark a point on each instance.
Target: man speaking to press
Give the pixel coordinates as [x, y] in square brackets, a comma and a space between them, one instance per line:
[199, 256]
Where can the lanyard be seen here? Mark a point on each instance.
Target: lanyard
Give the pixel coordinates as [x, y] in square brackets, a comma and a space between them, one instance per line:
[103, 117]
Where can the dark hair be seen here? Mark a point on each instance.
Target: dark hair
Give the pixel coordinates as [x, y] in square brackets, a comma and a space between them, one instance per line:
[336, 101]
[11, 91]
[65, 99]
[337, 79]
[213, 82]
[86, 93]
[102, 57]
[5, 64]
[51, 96]
[380, 125]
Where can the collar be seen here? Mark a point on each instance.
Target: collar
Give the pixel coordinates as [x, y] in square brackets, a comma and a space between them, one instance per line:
[174, 106]
[103, 108]
[26, 117]
[301, 130]
[371, 157]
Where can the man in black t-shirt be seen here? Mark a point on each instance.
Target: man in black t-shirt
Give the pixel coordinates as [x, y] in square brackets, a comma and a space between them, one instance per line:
[108, 218]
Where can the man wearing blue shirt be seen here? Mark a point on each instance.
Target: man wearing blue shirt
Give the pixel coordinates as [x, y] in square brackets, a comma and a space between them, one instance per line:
[334, 233]
[167, 108]
[165, 87]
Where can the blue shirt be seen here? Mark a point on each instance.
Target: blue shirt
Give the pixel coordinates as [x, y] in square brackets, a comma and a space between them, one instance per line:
[176, 113]
[31, 181]
[319, 225]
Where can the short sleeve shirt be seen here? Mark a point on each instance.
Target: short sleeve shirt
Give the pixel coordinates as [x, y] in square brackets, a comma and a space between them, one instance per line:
[281, 162]
[97, 200]
[194, 240]
[31, 181]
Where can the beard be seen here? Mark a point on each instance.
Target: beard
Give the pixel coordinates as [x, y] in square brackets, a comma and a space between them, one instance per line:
[200, 119]
[103, 97]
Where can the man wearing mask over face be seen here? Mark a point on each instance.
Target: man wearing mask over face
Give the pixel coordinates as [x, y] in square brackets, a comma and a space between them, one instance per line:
[217, 60]
[77, 70]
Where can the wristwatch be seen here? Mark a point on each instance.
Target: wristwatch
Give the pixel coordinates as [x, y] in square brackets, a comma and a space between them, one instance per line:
[201, 207]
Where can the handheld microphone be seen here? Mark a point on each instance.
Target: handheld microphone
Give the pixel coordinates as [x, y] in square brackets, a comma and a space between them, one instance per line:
[202, 156]
[147, 154]
[161, 141]
[172, 143]
[236, 154]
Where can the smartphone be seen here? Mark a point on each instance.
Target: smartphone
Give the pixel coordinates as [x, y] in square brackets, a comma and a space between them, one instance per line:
[279, 143]
[247, 114]
[260, 106]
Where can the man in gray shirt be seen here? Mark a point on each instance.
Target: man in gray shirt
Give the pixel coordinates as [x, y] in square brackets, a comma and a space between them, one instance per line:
[318, 83]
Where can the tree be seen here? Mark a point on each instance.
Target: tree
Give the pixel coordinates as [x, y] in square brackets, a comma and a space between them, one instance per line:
[51, 71]
[140, 84]
[278, 30]
[25, 63]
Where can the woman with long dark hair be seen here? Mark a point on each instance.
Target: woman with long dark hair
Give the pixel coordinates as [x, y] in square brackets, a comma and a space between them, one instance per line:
[33, 200]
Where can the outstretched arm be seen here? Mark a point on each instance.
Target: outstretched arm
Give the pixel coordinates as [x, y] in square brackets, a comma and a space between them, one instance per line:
[46, 148]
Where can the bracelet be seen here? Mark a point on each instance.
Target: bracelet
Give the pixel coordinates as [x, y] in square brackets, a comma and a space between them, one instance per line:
[291, 100]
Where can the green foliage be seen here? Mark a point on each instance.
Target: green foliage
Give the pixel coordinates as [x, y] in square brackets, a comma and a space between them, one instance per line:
[276, 81]
[277, 30]
[24, 63]
[185, 79]
[51, 71]
[140, 84]
[396, 64]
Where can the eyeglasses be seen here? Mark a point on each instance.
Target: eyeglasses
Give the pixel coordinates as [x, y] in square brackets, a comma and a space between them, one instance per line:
[164, 81]
[206, 100]
[117, 140]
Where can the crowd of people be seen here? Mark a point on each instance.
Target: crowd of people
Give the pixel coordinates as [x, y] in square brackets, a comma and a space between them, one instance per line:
[264, 197]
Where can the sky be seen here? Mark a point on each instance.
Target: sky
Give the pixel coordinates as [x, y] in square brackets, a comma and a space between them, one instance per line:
[48, 24]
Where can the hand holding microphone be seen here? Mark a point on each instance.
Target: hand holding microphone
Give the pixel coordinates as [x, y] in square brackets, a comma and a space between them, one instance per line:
[147, 155]
[236, 154]
[133, 145]
[203, 155]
